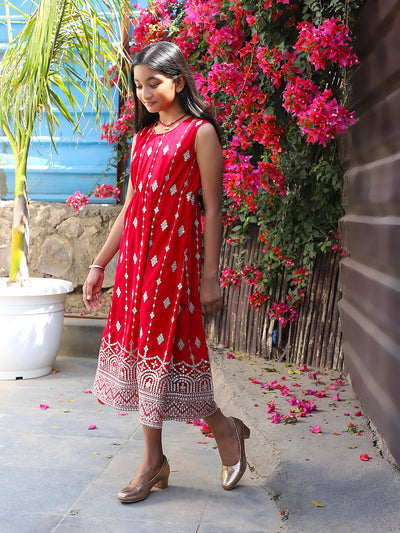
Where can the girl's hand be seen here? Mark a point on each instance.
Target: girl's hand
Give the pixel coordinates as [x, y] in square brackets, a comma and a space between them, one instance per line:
[92, 297]
[210, 295]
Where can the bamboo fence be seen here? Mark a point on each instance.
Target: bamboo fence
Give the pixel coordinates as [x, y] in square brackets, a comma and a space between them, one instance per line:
[314, 338]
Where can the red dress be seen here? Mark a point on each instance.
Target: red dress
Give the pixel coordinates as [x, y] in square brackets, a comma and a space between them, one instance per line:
[153, 354]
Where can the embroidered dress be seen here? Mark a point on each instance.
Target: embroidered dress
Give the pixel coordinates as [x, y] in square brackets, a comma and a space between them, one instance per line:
[153, 355]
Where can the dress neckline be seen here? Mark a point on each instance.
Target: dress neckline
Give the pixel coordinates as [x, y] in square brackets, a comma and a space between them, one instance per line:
[172, 129]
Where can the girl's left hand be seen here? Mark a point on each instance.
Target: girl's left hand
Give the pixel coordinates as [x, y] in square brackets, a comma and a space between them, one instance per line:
[210, 295]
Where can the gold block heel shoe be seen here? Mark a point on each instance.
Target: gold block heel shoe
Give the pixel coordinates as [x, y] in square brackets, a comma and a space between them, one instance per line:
[136, 492]
[231, 474]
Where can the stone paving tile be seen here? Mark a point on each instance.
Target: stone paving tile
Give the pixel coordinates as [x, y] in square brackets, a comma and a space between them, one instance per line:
[77, 524]
[56, 475]
[20, 522]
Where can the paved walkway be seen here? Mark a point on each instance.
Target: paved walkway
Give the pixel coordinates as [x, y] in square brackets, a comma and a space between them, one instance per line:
[57, 475]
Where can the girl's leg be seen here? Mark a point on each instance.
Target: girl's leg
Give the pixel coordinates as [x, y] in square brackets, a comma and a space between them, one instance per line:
[153, 457]
[225, 436]
[154, 470]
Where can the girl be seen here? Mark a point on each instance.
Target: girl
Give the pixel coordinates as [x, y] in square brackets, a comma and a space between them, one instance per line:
[153, 356]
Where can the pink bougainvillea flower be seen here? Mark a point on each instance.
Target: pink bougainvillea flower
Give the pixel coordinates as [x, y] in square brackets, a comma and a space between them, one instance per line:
[316, 429]
[77, 201]
[296, 385]
[266, 385]
[197, 422]
[285, 391]
[358, 413]
[335, 397]
[365, 457]
[321, 394]
[276, 418]
[43, 406]
[204, 428]
[292, 401]
[331, 387]
[271, 407]
[255, 380]
[339, 382]
[122, 414]
[230, 356]
[92, 426]
[87, 392]
[304, 368]
[275, 385]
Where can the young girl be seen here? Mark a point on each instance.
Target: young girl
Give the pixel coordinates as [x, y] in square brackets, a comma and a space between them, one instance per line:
[153, 356]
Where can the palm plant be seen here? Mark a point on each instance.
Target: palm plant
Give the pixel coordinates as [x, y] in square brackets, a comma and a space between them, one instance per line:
[63, 48]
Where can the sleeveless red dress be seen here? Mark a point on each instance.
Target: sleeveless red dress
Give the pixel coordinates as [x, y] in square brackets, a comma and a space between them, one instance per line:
[153, 355]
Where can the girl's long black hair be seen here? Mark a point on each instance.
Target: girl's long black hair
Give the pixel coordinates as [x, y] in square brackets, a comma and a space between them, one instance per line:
[167, 58]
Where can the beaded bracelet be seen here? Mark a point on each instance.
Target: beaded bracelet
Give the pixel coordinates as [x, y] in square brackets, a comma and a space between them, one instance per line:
[97, 266]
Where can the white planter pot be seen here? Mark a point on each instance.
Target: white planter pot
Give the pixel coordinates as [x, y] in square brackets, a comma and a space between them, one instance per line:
[31, 323]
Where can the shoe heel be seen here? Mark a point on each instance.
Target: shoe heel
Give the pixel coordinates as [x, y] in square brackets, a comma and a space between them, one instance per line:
[246, 432]
[162, 483]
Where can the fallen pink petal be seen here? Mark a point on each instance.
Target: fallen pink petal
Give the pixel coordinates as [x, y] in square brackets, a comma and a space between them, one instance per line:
[255, 380]
[331, 387]
[230, 356]
[43, 406]
[335, 397]
[276, 418]
[316, 429]
[358, 413]
[92, 426]
[271, 407]
[365, 457]
[87, 392]
[121, 414]
[304, 368]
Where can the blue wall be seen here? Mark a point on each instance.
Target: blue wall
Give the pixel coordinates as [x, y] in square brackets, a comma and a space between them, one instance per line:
[80, 161]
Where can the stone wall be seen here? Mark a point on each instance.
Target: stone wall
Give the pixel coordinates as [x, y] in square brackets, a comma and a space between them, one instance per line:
[62, 245]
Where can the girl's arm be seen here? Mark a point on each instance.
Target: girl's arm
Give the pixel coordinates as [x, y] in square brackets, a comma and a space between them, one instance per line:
[209, 159]
[92, 297]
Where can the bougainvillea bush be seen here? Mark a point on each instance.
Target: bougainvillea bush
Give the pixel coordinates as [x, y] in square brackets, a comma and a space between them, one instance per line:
[275, 74]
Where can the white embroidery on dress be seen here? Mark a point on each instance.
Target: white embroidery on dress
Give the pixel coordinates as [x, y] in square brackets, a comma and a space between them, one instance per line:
[154, 260]
[118, 291]
[173, 189]
[149, 151]
[181, 231]
[118, 325]
[145, 296]
[155, 185]
[186, 155]
[197, 342]
[165, 149]
[160, 338]
[174, 266]
[181, 344]
[166, 302]
[164, 225]
[191, 307]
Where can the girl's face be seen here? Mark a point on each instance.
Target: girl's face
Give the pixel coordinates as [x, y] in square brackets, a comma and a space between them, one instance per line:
[156, 91]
